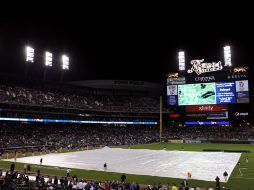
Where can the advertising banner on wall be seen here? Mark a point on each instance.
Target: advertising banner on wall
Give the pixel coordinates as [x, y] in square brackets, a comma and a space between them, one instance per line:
[242, 86]
[174, 115]
[217, 115]
[171, 90]
[177, 80]
[241, 114]
[206, 108]
[174, 141]
[206, 78]
[172, 100]
[207, 116]
[225, 92]
[206, 123]
[242, 97]
[242, 91]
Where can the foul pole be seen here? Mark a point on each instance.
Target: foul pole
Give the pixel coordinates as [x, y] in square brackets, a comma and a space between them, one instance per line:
[160, 118]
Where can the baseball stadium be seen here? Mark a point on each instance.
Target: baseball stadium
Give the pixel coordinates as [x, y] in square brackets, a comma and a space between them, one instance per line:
[122, 113]
[195, 131]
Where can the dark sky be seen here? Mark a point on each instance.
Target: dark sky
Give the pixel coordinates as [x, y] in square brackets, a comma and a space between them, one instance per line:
[142, 47]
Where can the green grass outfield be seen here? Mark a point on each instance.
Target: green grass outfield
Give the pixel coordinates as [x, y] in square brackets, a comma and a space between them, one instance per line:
[236, 181]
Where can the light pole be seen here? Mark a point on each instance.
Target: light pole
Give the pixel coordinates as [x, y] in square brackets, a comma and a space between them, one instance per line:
[48, 63]
[65, 65]
[29, 57]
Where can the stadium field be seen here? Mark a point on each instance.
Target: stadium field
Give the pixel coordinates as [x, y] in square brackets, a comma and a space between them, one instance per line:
[242, 176]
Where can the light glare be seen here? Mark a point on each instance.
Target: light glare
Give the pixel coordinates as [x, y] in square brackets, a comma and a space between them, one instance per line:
[65, 62]
[181, 60]
[48, 59]
[29, 54]
[227, 56]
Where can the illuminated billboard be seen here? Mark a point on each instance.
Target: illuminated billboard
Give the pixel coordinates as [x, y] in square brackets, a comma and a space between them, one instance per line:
[208, 93]
[206, 108]
[242, 91]
[225, 92]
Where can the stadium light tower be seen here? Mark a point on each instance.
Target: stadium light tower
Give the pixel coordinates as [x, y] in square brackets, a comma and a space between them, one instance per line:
[65, 65]
[29, 54]
[48, 59]
[29, 57]
[65, 62]
[227, 56]
[48, 63]
[181, 61]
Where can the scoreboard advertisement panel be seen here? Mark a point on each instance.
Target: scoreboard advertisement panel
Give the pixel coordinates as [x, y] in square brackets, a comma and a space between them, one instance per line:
[225, 92]
[206, 108]
[242, 91]
[208, 93]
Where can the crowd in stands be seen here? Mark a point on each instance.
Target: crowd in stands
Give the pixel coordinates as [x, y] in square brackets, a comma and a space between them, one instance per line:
[75, 136]
[81, 136]
[30, 96]
[15, 180]
[210, 132]
[12, 179]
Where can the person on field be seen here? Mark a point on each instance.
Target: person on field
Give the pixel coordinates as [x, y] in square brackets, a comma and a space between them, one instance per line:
[105, 166]
[225, 175]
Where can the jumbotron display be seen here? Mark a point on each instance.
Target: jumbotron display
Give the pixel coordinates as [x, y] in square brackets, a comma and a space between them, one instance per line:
[208, 93]
[195, 94]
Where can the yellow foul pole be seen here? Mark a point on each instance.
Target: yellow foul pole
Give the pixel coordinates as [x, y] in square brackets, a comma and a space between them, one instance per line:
[160, 118]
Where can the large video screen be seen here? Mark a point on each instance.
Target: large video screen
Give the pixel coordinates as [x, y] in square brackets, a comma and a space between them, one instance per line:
[208, 93]
[196, 94]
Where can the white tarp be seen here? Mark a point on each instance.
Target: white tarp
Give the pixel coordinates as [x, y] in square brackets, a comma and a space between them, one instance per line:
[203, 165]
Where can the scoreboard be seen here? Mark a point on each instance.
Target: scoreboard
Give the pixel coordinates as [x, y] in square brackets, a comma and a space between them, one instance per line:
[208, 93]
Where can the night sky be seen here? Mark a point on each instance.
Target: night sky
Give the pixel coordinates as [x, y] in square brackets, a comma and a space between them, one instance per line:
[122, 47]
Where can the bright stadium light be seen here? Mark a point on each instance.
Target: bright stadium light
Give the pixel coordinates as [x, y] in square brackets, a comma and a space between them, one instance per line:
[227, 56]
[48, 59]
[181, 60]
[65, 62]
[29, 54]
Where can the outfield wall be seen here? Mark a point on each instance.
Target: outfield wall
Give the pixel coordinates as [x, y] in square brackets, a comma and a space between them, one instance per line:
[206, 141]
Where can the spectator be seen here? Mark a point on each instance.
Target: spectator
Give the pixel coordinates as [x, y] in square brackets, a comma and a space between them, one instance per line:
[174, 187]
[12, 167]
[68, 172]
[123, 178]
[25, 168]
[55, 181]
[28, 168]
[217, 179]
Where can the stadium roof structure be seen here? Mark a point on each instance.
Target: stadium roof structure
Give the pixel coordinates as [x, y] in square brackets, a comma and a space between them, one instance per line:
[119, 85]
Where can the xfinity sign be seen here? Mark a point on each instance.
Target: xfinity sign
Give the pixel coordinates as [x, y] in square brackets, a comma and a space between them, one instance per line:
[205, 108]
